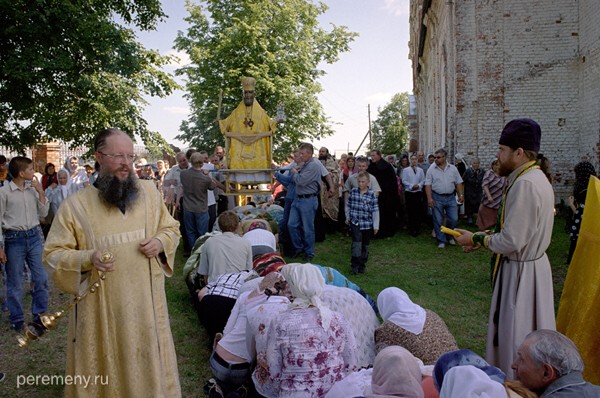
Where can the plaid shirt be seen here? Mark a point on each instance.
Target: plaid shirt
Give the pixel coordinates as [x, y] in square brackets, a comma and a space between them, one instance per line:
[361, 207]
[228, 285]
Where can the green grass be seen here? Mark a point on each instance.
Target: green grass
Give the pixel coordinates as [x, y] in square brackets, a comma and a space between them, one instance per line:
[453, 284]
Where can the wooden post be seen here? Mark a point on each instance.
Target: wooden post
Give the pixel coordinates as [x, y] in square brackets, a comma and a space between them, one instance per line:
[370, 138]
[219, 106]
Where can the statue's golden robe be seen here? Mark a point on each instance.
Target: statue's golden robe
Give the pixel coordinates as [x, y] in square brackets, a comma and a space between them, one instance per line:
[120, 333]
[249, 146]
[580, 300]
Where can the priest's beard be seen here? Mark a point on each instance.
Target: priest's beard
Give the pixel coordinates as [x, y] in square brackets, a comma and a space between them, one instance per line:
[121, 194]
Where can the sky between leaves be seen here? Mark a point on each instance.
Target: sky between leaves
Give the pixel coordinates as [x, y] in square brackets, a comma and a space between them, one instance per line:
[376, 68]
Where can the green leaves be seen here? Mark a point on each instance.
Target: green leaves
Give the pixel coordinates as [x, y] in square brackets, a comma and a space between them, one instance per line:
[279, 43]
[67, 70]
[390, 129]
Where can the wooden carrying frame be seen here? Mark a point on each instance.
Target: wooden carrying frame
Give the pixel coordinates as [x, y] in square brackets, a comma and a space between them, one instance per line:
[234, 184]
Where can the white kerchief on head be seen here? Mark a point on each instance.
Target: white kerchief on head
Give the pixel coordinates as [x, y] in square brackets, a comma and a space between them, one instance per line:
[469, 382]
[306, 285]
[67, 187]
[395, 306]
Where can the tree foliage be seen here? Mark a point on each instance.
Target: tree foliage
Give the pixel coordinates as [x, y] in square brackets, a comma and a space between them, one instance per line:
[68, 70]
[389, 132]
[279, 43]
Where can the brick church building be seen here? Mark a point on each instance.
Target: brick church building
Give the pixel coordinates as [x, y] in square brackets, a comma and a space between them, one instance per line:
[479, 63]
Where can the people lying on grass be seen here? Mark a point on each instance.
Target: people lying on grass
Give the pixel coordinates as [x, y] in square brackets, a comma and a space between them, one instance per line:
[467, 381]
[309, 347]
[233, 356]
[464, 358]
[333, 277]
[270, 298]
[215, 301]
[395, 373]
[346, 300]
[363, 321]
[261, 239]
[423, 332]
[227, 252]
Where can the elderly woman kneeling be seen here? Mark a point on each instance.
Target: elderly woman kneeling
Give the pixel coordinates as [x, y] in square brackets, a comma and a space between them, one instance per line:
[310, 347]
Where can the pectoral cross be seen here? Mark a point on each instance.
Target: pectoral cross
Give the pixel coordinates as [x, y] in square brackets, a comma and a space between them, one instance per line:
[248, 122]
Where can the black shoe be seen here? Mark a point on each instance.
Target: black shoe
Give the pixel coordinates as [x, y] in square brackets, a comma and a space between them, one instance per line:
[361, 270]
[353, 272]
[2, 376]
[36, 328]
[18, 327]
[307, 258]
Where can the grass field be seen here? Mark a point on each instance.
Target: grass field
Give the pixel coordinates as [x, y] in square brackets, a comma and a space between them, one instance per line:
[453, 284]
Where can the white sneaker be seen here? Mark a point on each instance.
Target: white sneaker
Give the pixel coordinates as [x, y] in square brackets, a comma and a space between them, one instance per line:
[441, 246]
[451, 242]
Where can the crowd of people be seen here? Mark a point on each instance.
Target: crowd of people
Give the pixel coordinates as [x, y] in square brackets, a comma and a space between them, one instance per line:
[280, 329]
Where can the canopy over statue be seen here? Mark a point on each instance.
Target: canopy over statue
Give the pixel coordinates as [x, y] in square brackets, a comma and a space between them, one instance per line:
[248, 131]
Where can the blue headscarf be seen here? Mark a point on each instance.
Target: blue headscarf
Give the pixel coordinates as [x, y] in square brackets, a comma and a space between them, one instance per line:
[460, 358]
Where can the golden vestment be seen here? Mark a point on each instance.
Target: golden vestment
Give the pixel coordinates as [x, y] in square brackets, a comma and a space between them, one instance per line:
[249, 147]
[578, 310]
[331, 205]
[120, 333]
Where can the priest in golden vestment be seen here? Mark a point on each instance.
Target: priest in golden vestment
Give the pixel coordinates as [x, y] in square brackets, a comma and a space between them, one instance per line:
[119, 335]
[249, 128]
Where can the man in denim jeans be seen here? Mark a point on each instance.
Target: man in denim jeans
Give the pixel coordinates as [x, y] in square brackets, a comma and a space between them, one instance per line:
[442, 182]
[307, 179]
[22, 203]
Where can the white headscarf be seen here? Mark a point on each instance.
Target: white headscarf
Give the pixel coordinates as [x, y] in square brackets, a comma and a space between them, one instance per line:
[396, 373]
[395, 306]
[306, 284]
[469, 382]
[66, 189]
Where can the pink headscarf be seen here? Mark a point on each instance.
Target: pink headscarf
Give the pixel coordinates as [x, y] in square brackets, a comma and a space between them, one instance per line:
[396, 373]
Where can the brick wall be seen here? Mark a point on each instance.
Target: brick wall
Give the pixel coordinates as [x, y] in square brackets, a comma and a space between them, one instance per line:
[486, 62]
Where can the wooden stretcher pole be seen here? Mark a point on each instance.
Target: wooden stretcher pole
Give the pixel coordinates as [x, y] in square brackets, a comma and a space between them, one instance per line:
[219, 105]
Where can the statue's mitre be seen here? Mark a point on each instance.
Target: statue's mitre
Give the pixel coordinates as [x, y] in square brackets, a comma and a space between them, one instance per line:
[248, 83]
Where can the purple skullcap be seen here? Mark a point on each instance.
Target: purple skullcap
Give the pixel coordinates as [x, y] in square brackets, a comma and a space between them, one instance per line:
[522, 133]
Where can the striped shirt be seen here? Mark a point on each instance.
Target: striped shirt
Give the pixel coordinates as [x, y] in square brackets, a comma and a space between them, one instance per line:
[495, 184]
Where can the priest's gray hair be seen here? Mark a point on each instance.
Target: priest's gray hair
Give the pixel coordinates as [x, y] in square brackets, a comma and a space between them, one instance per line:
[555, 349]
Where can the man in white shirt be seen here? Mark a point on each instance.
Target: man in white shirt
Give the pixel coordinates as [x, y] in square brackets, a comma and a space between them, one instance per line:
[413, 180]
[442, 182]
